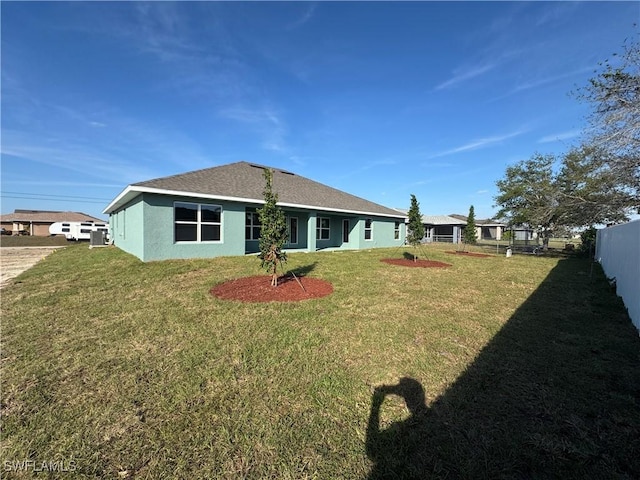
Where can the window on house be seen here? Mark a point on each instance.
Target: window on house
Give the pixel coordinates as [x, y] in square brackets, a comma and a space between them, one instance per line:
[293, 230]
[196, 222]
[368, 229]
[396, 231]
[252, 226]
[323, 231]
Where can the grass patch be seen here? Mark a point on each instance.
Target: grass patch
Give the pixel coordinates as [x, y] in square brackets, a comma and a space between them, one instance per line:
[529, 367]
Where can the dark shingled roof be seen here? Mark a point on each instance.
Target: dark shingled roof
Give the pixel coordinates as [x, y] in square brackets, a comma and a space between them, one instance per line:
[245, 181]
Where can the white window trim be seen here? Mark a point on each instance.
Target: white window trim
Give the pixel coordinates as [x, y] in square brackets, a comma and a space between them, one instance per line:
[319, 229]
[251, 226]
[198, 224]
[397, 234]
[370, 239]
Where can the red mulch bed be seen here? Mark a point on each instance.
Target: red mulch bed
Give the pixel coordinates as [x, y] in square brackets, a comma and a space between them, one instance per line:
[406, 262]
[259, 289]
[470, 254]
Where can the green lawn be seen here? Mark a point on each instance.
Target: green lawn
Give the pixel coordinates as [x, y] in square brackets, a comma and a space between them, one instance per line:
[530, 368]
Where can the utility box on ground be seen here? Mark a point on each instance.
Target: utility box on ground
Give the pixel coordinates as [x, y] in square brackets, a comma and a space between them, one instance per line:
[97, 239]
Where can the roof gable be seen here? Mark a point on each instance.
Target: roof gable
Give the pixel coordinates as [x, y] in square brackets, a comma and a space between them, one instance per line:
[243, 181]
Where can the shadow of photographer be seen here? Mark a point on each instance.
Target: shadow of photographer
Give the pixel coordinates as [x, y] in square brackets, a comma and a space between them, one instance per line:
[553, 394]
[395, 450]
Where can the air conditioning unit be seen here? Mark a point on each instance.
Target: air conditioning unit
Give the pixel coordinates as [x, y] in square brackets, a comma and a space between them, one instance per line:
[97, 239]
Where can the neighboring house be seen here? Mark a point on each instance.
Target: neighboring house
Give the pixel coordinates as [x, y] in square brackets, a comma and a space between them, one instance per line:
[442, 228]
[212, 212]
[490, 229]
[37, 222]
[523, 234]
[486, 229]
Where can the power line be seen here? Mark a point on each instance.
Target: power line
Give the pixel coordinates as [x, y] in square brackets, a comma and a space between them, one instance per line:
[56, 195]
[55, 199]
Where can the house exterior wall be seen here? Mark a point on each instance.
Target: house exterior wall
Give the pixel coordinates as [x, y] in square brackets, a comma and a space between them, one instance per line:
[127, 228]
[383, 231]
[158, 234]
[145, 228]
[618, 252]
[252, 246]
[39, 229]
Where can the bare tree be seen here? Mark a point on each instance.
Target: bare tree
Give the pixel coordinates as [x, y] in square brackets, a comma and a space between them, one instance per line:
[614, 123]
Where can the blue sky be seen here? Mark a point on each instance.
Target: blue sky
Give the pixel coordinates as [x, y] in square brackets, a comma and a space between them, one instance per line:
[379, 99]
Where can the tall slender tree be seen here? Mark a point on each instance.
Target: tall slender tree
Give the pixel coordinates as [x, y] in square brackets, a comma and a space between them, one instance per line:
[273, 234]
[470, 233]
[416, 227]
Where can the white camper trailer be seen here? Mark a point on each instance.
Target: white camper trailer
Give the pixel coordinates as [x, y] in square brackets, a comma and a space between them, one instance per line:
[78, 230]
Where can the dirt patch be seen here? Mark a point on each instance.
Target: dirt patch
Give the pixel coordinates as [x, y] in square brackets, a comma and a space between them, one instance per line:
[259, 289]
[470, 254]
[407, 262]
[16, 260]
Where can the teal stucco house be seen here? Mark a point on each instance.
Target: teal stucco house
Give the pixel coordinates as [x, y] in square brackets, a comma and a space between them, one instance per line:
[212, 212]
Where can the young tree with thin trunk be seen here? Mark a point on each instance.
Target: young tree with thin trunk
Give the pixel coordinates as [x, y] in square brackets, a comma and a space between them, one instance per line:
[416, 227]
[273, 234]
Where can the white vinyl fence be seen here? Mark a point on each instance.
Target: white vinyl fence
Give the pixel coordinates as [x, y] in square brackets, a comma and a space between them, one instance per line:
[618, 251]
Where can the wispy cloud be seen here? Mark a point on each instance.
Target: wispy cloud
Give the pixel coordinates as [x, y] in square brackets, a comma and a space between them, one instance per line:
[462, 75]
[265, 121]
[160, 29]
[556, 12]
[67, 155]
[306, 16]
[115, 148]
[368, 166]
[556, 137]
[540, 82]
[480, 143]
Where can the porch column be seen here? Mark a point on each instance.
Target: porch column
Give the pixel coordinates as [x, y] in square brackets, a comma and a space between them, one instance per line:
[311, 232]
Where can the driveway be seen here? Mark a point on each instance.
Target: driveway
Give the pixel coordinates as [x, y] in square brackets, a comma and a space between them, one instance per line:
[15, 260]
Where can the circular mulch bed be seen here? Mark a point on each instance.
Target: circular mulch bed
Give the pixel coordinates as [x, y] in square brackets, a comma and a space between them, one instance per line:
[470, 254]
[259, 289]
[407, 262]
